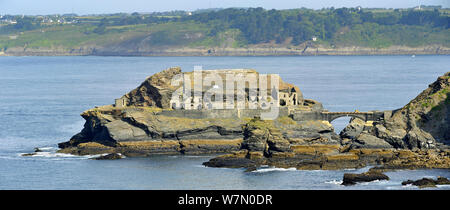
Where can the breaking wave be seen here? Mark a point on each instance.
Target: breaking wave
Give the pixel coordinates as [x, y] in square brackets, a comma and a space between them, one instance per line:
[50, 152]
[336, 182]
[262, 170]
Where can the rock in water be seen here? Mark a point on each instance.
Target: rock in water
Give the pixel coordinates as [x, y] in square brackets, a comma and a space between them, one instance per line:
[442, 181]
[371, 175]
[427, 182]
[113, 156]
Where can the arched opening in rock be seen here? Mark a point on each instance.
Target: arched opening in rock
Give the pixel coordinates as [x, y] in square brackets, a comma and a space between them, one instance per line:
[340, 123]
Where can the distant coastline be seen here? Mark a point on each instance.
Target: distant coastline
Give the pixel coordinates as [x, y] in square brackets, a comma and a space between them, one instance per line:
[231, 32]
[251, 51]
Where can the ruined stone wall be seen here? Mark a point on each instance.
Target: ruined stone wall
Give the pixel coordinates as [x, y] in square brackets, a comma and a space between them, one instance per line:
[307, 116]
[220, 113]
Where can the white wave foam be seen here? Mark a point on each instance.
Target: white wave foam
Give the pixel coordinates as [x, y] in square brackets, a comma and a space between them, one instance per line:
[198, 156]
[51, 154]
[442, 186]
[262, 170]
[47, 148]
[378, 182]
[336, 182]
[381, 182]
[60, 155]
[409, 186]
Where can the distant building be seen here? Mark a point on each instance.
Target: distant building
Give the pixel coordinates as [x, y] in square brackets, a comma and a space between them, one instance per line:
[121, 102]
[287, 96]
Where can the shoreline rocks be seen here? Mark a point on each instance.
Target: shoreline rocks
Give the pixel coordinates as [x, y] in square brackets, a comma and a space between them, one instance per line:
[251, 50]
[36, 150]
[320, 157]
[427, 182]
[142, 123]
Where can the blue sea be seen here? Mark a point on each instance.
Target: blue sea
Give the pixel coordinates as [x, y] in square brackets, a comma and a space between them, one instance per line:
[41, 99]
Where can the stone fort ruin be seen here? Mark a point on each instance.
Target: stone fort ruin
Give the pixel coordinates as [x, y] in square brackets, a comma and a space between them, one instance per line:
[180, 94]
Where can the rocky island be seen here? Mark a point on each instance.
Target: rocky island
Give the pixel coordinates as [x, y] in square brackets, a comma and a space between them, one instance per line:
[150, 120]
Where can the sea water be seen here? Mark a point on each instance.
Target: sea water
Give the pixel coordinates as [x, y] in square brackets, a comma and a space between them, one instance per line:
[41, 99]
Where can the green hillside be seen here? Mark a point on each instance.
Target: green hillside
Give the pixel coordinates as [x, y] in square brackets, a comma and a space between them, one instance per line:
[230, 28]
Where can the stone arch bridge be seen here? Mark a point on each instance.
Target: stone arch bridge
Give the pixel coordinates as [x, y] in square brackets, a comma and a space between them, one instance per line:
[330, 116]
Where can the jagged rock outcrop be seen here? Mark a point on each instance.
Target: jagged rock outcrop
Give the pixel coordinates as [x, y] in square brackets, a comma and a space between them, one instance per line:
[357, 134]
[263, 136]
[423, 123]
[155, 91]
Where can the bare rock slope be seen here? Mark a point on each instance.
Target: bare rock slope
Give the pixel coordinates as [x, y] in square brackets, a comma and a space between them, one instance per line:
[423, 123]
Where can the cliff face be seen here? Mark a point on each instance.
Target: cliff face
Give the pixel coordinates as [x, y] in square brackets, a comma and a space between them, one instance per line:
[144, 131]
[422, 123]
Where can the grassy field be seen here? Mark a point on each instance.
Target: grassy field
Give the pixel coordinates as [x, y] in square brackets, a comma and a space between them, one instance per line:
[75, 36]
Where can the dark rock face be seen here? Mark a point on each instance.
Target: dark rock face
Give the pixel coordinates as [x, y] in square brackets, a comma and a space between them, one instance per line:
[351, 179]
[427, 182]
[143, 133]
[263, 136]
[359, 135]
